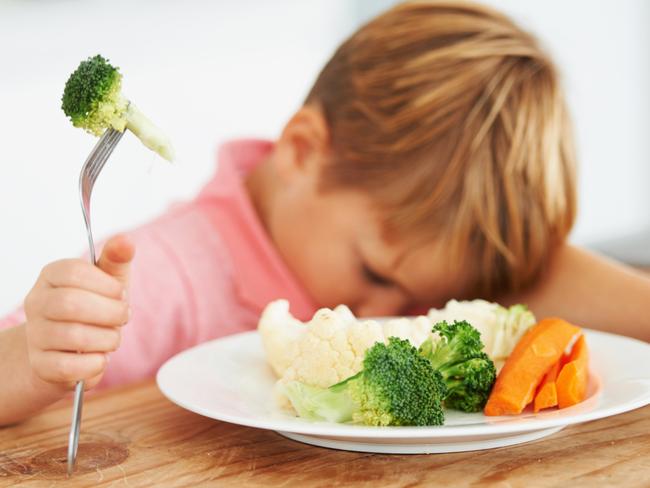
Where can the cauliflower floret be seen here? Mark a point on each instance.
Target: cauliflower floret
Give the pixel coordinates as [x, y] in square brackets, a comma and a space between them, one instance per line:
[332, 349]
[280, 332]
[345, 314]
[331, 346]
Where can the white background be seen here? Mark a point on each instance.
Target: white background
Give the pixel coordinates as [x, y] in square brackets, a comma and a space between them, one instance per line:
[206, 71]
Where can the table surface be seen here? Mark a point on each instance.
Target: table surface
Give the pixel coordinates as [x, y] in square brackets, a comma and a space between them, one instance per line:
[133, 436]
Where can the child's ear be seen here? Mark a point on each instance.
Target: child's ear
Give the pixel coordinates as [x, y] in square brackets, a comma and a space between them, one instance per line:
[304, 143]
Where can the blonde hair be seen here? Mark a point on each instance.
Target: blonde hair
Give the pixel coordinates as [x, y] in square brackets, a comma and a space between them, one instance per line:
[452, 118]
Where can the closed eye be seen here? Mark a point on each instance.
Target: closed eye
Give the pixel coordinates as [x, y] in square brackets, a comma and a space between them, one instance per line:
[375, 278]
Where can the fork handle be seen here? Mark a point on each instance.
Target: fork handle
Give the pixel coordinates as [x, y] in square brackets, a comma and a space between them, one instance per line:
[77, 406]
[73, 439]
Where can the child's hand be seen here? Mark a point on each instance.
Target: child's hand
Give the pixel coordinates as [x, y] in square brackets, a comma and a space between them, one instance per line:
[74, 315]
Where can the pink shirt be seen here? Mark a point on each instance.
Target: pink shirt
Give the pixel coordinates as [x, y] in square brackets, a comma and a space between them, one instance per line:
[205, 269]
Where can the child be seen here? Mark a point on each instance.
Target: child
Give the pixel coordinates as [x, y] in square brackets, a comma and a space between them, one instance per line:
[432, 160]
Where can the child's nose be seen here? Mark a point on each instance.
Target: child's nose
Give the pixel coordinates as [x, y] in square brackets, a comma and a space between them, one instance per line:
[381, 304]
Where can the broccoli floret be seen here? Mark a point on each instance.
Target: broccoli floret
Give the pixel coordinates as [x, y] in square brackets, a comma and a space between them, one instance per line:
[92, 97]
[397, 386]
[93, 100]
[467, 371]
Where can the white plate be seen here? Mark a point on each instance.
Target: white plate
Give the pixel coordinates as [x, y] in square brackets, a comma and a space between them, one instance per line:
[228, 379]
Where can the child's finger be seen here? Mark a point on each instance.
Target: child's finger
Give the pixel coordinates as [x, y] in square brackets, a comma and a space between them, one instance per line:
[73, 337]
[75, 305]
[116, 258]
[90, 383]
[68, 367]
[77, 273]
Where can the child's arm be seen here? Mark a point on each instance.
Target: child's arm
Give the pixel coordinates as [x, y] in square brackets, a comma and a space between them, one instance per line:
[593, 292]
[23, 392]
[74, 314]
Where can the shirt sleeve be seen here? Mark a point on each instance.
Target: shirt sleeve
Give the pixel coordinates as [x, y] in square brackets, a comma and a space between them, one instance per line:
[181, 292]
[17, 317]
[159, 310]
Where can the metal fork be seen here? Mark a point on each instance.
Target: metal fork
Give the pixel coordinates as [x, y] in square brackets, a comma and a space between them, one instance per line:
[89, 173]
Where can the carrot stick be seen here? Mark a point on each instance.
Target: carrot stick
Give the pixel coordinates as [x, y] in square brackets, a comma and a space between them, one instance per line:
[572, 380]
[547, 393]
[537, 351]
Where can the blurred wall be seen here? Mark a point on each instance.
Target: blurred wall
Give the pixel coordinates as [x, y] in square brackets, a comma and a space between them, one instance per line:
[206, 71]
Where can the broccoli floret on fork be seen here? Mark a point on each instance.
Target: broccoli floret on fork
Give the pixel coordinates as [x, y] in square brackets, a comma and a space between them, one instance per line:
[93, 100]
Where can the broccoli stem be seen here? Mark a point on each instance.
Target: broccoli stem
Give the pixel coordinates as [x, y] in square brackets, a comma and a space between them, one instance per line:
[332, 404]
[150, 135]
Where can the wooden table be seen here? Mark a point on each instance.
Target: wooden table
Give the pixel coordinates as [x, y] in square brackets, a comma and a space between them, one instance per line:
[134, 437]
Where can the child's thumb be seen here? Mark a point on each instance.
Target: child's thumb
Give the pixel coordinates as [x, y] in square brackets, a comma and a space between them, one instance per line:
[116, 257]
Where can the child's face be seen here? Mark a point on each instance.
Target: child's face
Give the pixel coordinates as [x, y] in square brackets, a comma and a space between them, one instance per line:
[332, 241]
[333, 244]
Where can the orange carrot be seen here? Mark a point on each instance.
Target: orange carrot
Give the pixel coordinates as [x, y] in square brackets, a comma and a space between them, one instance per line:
[572, 380]
[540, 348]
[546, 396]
